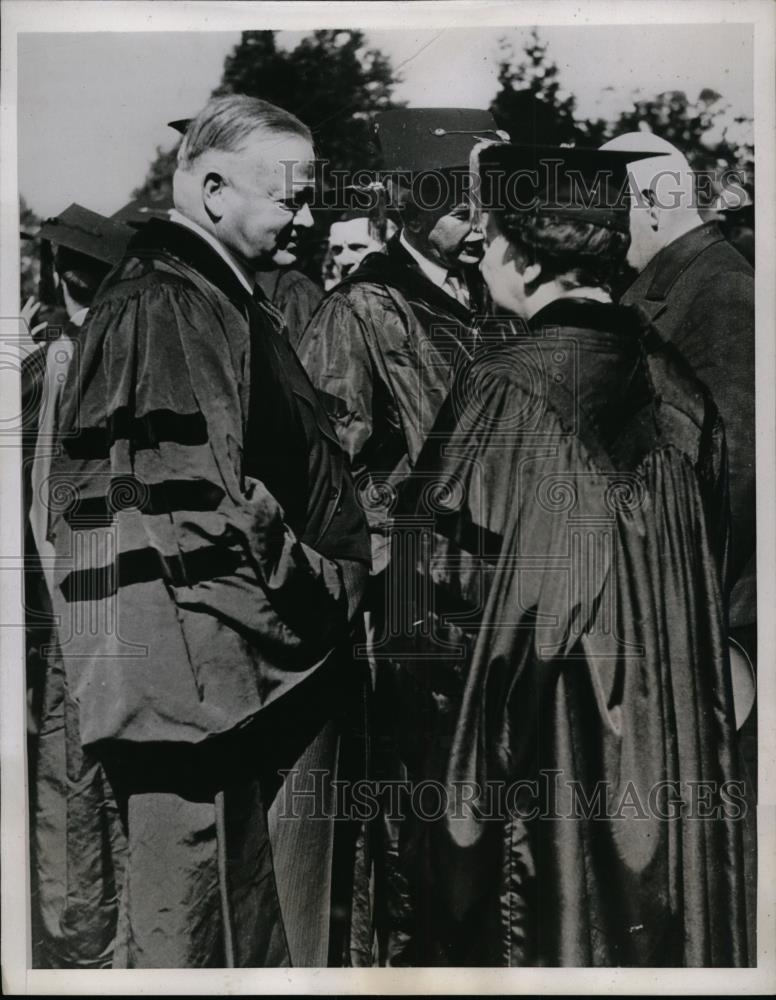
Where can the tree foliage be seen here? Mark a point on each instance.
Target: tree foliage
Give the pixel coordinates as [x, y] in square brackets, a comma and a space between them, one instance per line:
[531, 104]
[29, 223]
[704, 130]
[332, 80]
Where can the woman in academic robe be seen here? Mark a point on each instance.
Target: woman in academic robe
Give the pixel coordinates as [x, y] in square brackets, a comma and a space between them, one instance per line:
[566, 710]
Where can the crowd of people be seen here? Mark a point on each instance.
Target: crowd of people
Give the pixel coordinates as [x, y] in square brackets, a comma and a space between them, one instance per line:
[409, 620]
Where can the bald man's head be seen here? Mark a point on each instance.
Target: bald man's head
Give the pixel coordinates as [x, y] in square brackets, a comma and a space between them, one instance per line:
[664, 203]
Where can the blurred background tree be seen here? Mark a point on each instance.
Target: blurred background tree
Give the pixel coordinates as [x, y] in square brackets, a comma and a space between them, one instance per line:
[704, 129]
[531, 104]
[332, 80]
[29, 223]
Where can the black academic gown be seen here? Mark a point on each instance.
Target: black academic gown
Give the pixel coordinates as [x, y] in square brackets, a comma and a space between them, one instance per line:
[381, 349]
[565, 649]
[294, 294]
[207, 528]
[76, 853]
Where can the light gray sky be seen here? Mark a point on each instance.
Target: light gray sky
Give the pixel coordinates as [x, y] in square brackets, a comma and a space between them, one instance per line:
[93, 107]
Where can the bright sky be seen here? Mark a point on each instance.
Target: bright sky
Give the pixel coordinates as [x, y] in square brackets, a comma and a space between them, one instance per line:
[93, 107]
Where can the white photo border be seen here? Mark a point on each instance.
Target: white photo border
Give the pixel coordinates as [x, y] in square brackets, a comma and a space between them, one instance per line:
[181, 15]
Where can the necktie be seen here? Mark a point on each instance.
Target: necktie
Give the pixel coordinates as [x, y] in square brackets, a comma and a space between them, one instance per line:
[456, 289]
[276, 317]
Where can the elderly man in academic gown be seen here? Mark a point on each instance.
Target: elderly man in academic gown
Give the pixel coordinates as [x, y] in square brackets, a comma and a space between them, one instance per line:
[288, 289]
[209, 534]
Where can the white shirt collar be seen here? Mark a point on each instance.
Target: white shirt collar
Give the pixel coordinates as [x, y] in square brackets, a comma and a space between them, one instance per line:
[245, 278]
[435, 273]
[77, 319]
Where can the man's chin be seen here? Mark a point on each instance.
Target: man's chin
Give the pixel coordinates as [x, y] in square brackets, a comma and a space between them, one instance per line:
[469, 259]
[282, 258]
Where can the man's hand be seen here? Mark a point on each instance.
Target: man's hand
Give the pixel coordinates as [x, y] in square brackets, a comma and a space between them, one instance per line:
[29, 309]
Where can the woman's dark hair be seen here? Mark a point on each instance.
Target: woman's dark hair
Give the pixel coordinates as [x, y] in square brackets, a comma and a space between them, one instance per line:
[82, 275]
[575, 253]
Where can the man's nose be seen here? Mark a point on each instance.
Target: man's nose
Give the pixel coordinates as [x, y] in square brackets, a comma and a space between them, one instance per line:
[304, 217]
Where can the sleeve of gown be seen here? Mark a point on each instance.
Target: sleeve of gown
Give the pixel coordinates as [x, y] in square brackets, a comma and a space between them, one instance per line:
[334, 352]
[300, 301]
[170, 376]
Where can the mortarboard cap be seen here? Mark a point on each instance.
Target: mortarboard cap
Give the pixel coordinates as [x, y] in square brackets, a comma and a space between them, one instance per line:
[88, 233]
[181, 124]
[567, 182]
[413, 140]
[531, 119]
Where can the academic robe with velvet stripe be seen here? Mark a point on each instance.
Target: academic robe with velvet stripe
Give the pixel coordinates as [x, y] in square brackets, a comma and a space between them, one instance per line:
[210, 558]
[218, 509]
[568, 628]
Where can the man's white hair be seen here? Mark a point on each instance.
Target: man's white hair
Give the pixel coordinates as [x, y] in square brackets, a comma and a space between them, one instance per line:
[226, 123]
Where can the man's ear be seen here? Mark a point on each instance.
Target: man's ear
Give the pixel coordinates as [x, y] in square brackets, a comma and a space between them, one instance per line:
[653, 209]
[213, 185]
[531, 274]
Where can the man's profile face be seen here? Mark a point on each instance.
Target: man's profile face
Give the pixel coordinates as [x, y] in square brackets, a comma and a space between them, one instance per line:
[436, 218]
[447, 233]
[644, 239]
[265, 199]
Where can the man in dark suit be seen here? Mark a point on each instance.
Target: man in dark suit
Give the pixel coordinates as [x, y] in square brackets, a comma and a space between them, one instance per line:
[698, 291]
